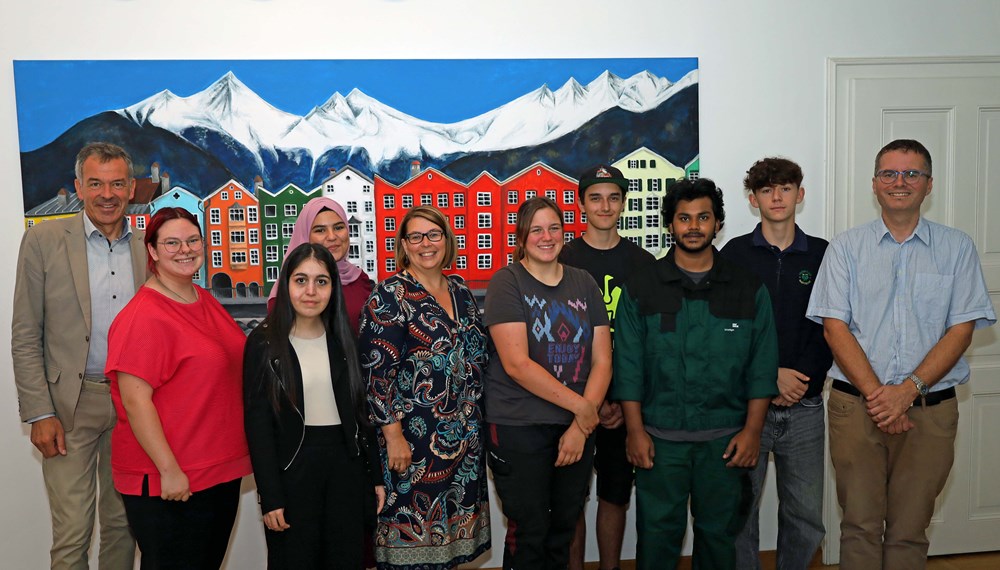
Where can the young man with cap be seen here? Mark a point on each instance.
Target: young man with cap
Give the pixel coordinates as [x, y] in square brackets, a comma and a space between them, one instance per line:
[609, 259]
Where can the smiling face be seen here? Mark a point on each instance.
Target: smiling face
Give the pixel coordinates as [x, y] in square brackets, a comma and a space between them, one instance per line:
[182, 264]
[105, 190]
[777, 202]
[329, 231]
[694, 225]
[545, 237]
[900, 196]
[310, 287]
[426, 255]
[603, 204]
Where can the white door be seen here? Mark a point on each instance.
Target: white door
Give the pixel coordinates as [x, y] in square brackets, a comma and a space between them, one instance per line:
[952, 106]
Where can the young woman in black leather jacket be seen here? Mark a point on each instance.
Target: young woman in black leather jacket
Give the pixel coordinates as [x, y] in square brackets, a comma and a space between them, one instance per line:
[312, 447]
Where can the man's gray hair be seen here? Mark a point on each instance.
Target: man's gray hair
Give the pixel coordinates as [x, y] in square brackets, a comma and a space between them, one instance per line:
[104, 152]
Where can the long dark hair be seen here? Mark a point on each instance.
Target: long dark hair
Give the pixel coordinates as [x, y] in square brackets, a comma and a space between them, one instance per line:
[278, 324]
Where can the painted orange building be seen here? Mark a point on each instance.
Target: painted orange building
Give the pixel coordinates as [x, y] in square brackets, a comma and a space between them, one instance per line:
[232, 237]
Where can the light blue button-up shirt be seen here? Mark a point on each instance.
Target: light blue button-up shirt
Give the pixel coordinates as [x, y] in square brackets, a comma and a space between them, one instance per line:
[898, 299]
[111, 287]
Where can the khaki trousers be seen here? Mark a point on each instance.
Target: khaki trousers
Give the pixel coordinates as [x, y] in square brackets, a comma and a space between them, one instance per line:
[887, 484]
[80, 482]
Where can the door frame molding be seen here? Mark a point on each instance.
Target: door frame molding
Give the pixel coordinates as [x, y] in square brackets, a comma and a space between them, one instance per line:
[839, 111]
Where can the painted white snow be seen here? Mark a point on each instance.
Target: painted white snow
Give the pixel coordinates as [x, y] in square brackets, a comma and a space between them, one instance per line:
[358, 121]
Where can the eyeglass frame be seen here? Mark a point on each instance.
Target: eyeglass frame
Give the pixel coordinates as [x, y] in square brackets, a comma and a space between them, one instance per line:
[904, 173]
[168, 244]
[415, 238]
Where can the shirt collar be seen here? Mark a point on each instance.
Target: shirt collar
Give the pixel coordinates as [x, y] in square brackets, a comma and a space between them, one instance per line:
[921, 232]
[799, 242]
[89, 228]
[668, 270]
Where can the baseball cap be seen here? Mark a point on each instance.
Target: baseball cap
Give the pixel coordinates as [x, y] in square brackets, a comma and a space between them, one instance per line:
[600, 174]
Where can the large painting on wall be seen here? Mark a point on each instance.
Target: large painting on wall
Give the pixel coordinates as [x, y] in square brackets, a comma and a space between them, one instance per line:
[244, 144]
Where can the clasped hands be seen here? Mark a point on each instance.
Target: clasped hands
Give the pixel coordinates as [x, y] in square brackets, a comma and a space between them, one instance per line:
[887, 407]
[585, 419]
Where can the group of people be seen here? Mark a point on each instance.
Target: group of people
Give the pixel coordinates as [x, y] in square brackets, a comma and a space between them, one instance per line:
[368, 413]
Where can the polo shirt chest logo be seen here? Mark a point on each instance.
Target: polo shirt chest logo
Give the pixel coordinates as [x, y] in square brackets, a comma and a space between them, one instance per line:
[806, 277]
[732, 327]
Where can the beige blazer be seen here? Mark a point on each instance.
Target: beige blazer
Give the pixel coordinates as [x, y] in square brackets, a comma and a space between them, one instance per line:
[50, 329]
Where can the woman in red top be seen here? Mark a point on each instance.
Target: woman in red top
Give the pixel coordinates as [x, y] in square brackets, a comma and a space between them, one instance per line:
[178, 451]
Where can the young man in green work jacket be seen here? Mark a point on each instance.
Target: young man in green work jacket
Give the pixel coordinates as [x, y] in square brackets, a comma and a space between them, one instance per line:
[696, 363]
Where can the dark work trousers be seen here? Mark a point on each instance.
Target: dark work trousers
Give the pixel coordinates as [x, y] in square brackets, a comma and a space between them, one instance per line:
[191, 535]
[325, 493]
[542, 502]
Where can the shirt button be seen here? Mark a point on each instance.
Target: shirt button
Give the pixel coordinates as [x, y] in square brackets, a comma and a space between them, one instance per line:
[114, 296]
[112, 272]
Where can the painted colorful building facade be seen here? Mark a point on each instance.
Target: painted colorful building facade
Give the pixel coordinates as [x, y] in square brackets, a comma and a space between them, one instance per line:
[279, 210]
[233, 256]
[649, 177]
[247, 230]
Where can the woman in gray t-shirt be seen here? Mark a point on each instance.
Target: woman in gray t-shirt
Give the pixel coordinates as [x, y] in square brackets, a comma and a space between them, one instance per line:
[550, 374]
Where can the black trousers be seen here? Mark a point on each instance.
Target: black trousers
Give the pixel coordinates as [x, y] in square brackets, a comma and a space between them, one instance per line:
[191, 535]
[325, 494]
[542, 502]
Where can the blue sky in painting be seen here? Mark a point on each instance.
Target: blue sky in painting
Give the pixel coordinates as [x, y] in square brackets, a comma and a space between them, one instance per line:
[54, 95]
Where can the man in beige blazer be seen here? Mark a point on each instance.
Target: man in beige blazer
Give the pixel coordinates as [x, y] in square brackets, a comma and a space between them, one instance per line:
[73, 276]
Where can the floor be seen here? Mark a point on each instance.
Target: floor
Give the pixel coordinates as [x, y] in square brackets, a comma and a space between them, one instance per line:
[979, 561]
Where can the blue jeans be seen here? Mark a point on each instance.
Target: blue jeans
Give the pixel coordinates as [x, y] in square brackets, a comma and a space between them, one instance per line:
[795, 435]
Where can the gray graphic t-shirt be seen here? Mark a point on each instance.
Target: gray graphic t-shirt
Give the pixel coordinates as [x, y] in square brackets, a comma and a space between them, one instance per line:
[560, 323]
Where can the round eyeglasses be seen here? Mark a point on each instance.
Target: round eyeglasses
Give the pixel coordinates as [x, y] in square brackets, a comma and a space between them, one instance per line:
[414, 238]
[174, 245]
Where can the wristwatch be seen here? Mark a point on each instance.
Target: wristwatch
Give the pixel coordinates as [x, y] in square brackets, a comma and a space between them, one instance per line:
[921, 387]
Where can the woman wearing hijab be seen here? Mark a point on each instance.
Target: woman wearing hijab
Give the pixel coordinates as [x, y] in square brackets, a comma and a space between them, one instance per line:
[323, 221]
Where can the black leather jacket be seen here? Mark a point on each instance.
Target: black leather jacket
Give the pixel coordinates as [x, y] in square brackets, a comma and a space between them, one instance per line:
[275, 439]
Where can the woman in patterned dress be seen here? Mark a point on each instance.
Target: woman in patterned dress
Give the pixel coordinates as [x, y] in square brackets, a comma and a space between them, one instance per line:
[423, 348]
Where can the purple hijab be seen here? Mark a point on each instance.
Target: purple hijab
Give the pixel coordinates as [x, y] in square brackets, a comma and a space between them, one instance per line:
[349, 272]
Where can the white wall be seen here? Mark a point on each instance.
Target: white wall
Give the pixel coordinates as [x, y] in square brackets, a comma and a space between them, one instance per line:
[763, 92]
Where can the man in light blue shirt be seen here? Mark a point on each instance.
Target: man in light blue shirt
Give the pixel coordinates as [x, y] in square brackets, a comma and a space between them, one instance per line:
[898, 298]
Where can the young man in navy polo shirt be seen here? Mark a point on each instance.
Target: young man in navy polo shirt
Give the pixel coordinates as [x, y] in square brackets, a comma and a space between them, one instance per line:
[787, 260]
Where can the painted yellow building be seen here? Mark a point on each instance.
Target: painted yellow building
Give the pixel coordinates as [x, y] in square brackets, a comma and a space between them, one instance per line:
[649, 176]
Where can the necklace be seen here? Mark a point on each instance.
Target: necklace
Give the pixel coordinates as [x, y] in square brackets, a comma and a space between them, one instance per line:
[172, 292]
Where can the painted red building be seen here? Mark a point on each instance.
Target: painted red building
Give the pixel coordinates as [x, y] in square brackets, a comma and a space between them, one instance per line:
[482, 213]
[540, 179]
[424, 187]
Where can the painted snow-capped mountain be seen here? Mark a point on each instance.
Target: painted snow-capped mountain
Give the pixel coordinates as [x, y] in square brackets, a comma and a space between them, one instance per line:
[358, 121]
[229, 132]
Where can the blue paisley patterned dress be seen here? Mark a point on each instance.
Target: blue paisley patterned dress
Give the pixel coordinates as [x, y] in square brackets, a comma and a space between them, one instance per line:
[425, 371]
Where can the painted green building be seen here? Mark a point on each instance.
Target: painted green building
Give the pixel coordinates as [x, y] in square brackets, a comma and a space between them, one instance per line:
[279, 211]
